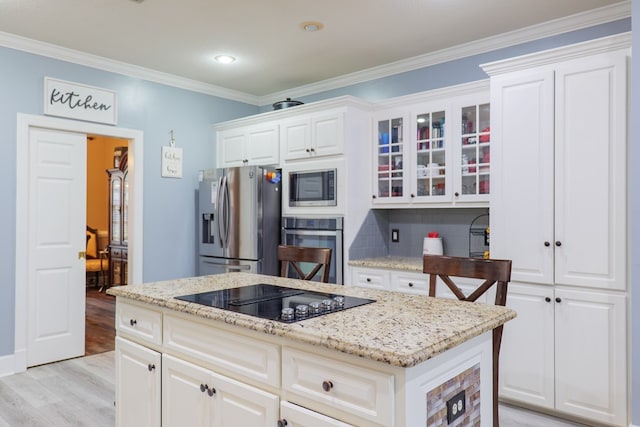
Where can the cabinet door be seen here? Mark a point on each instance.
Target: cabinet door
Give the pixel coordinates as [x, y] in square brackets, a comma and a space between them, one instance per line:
[327, 134]
[522, 174]
[115, 224]
[527, 352]
[237, 404]
[590, 344]
[138, 371]
[431, 176]
[231, 148]
[473, 154]
[187, 398]
[590, 172]
[296, 139]
[390, 181]
[263, 145]
[297, 416]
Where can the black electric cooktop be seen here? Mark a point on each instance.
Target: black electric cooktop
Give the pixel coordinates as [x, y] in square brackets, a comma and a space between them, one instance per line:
[276, 302]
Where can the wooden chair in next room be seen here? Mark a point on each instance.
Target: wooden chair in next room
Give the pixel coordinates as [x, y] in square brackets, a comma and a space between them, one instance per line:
[492, 271]
[294, 255]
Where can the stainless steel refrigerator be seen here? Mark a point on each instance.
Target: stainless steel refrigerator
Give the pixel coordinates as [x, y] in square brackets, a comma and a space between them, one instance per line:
[239, 220]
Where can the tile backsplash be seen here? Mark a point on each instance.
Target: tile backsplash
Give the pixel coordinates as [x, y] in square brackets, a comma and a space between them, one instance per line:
[374, 237]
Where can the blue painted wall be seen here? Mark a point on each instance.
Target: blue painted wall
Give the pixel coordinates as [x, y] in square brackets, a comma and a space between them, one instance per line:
[169, 219]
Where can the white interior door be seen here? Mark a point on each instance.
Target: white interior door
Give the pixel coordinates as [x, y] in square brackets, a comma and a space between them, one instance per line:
[56, 272]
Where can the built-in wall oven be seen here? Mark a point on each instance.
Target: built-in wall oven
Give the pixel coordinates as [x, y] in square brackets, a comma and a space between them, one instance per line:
[320, 233]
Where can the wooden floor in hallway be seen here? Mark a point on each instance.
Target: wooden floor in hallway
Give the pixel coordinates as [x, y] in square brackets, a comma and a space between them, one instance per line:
[100, 329]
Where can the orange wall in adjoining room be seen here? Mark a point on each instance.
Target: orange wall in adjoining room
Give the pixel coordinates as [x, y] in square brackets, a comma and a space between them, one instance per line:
[99, 159]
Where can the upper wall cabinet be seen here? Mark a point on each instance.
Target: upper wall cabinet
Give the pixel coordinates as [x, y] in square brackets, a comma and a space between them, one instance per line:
[314, 135]
[251, 145]
[434, 153]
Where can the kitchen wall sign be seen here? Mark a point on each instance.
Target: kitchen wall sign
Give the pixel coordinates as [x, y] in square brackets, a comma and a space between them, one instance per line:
[78, 101]
[172, 160]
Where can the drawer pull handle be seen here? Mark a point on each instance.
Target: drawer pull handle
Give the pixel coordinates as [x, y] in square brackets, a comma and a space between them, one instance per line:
[282, 423]
[151, 367]
[327, 385]
[133, 322]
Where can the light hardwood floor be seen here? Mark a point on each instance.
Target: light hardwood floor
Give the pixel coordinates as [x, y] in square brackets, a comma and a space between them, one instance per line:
[80, 392]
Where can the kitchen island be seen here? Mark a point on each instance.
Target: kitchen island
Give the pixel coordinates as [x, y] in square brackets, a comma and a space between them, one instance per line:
[394, 362]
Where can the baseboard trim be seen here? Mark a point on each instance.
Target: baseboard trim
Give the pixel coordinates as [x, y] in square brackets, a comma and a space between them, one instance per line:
[13, 363]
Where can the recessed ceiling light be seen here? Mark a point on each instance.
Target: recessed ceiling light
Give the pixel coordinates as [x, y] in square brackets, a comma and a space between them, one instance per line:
[225, 59]
[311, 26]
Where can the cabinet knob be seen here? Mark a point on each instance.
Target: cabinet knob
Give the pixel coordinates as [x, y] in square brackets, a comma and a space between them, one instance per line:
[211, 391]
[203, 387]
[307, 150]
[558, 243]
[327, 385]
[547, 244]
[313, 150]
[413, 195]
[245, 161]
[558, 299]
[410, 284]
[547, 299]
[133, 322]
[282, 423]
[368, 279]
[151, 367]
[373, 196]
[456, 194]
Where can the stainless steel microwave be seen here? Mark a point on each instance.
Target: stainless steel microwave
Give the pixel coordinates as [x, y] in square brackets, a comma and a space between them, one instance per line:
[313, 188]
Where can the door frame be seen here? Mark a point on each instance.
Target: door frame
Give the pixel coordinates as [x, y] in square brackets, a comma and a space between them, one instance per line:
[135, 171]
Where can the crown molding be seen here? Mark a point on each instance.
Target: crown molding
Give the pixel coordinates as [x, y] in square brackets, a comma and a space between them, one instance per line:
[101, 63]
[578, 21]
[590, 47]
[574, 22]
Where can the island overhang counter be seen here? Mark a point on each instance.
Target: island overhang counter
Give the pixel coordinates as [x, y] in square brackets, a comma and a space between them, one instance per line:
[396, 362]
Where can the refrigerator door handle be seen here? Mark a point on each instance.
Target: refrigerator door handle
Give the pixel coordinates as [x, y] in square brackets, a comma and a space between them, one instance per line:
[219, 211]
[225, 211]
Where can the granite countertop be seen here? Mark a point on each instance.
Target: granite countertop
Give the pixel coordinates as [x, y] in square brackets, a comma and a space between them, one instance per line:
[390, 262]
[399, 329]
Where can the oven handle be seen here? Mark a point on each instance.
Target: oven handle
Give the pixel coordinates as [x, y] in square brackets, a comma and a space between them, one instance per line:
[311, 232]
[229, 267]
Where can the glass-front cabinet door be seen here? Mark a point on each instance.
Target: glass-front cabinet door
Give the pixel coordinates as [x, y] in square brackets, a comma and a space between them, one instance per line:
[475, 153]
[116, 203]
[430, 161]
[390, 177]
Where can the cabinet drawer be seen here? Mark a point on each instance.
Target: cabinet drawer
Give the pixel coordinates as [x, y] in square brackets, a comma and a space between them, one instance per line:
[140, 322]
[297, 416]
[226, 352]
[410, 283]
[370, 278]
[363, 392]
[116, 252]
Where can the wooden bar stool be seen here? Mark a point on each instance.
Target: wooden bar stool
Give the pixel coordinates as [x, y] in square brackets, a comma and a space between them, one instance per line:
[293, 255]
[492, 271]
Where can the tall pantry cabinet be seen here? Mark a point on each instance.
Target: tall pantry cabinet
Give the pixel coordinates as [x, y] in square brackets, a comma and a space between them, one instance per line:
[559, 211]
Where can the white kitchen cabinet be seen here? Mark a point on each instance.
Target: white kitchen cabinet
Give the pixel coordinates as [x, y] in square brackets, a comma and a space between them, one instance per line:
[558, 211]
[249, 145]
[297, 416]
[313, 136]
[196, 396]
[138, 371]
[565, 351]
[435, 152]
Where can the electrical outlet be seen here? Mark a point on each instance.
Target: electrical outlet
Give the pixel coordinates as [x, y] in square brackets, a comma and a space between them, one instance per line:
[456, 407]
[395, 235]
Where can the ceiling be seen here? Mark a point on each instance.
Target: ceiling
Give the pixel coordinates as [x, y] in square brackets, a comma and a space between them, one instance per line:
[273, 53]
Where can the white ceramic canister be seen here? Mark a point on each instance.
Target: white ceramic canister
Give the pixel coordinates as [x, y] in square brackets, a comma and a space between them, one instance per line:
[432, 246]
